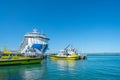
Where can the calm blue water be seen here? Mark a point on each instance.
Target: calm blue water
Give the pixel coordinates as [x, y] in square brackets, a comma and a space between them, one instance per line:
[94, 68]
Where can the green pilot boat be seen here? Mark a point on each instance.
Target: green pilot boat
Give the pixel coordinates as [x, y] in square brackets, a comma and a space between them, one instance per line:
[10, 58]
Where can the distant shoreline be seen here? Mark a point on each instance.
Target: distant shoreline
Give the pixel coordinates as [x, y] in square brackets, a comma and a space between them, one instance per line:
[95, 54]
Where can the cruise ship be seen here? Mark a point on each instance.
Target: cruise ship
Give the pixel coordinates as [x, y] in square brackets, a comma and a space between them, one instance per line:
[34, 43]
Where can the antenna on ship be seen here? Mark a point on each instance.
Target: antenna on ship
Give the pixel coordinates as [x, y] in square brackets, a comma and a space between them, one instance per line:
[35, 30]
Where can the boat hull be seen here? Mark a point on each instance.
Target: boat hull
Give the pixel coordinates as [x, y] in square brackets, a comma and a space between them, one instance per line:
[64, 57]
[4, 62]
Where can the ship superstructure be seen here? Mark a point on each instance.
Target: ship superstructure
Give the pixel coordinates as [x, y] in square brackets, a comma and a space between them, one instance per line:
[34, 43]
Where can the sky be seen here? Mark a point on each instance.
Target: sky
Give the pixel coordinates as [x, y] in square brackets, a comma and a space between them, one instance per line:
[89, 25]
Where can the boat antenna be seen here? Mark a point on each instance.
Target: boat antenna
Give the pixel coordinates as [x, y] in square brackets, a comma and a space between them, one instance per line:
[67, 47]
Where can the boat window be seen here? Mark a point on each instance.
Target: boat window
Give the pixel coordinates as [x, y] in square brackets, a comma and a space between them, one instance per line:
[13, 54]
[4, 54]
[18, 54]
[10, 54]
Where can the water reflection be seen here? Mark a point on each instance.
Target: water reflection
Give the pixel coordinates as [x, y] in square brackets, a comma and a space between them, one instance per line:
[65, 64]
[22, 72]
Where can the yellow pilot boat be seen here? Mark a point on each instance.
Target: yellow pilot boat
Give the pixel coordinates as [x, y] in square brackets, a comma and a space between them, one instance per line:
[10, 58]
[68, 53]
[65, 57]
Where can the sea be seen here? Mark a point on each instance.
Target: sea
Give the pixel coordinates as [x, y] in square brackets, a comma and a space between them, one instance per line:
[95, 67]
